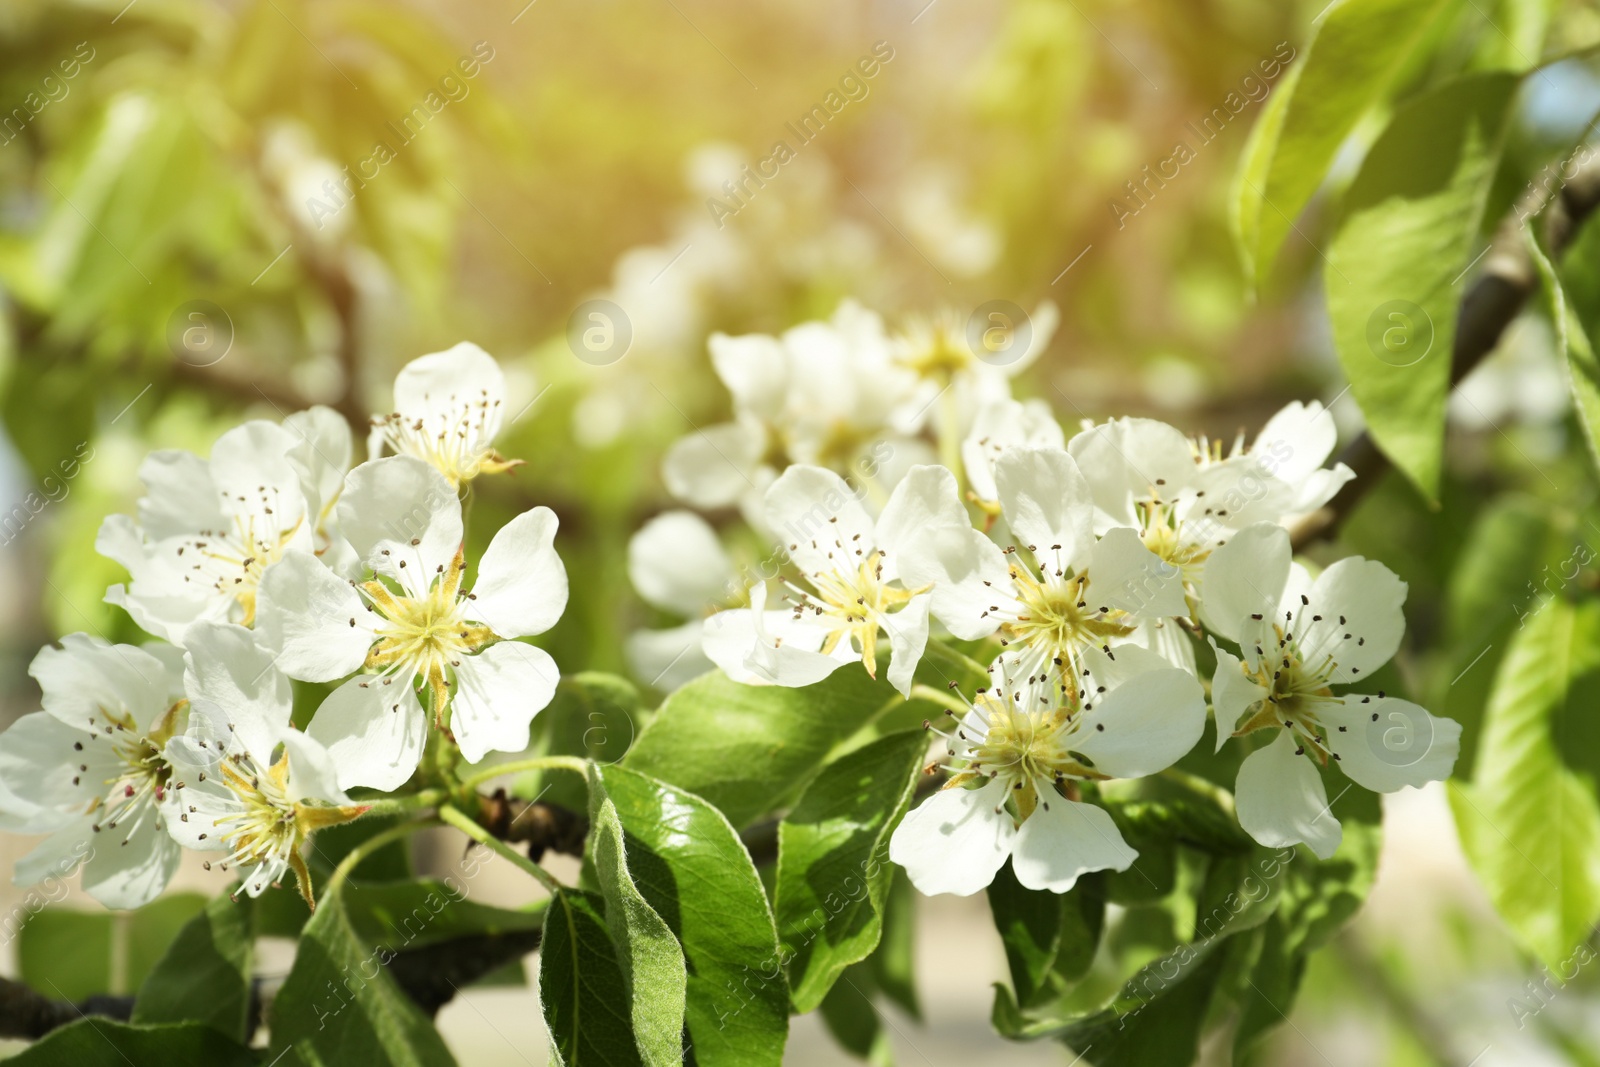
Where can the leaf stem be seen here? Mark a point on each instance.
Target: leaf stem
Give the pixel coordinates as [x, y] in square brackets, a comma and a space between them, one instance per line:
[455, 817]
[405, 805]
[575, 764]
[366, 848]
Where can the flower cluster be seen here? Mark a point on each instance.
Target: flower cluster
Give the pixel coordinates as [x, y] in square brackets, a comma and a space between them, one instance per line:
[1087, 571]
[275, 562]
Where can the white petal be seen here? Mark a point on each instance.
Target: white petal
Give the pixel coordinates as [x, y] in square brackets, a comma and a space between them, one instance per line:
[313, 619]
[1386, 744]
[1355, 596]
[1125, 575]
[1167, 639]
[1296, 441]
[969, 577]
[1046, 502]
[57, 855]
[312, 774]
[258, 485]
[38, 762]
[121, 540]
[374, 733]
[818, 518]
[236, 689]
[320, 456]
[389, 503]
[499, 692]
[667, 659]
[677, 564]
[521, 589]
[130, 870]
[1125, 460]
[440, 387]
[769, 648]
[1144, 725]
[1000, 426]
[1280, 800]
[1063, 839]
[926, 499]
[956, 841]
[755, 370]
[180, 496]
[1233, 693]
[87, 677]
[1245, 577]
[713, 467]
[908, 636]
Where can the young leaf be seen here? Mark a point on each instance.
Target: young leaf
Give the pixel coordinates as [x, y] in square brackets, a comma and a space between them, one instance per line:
[650, 958]
[339, 1005]
[205, 975]
[1528, 824]
[1393, 277]
[1358, 48]
[748, 749]
[1046, 934]
[692, 869]
[1573, 337]
[833, 861]
[582, 986]
[104, 1043]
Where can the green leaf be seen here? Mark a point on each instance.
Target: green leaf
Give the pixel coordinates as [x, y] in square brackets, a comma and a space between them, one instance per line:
[894, 960]
[1393, 278]
[1529, 824]
[651, 959]
[833, 861]
[66, 953]
[748, 749]
[1573, 338]
[102, 1043]
[852, 1018]
[339, 1006]
[1050, 938]
[1354, 57]
[205, 975]
[582, 986]
[408, 915]
[691, 867]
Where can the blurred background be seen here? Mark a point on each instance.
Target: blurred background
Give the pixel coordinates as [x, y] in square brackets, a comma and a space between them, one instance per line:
[218, 209]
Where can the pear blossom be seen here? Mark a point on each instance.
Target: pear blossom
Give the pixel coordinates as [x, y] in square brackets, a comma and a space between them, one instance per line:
[1000, 425]
[1289, 453]
[676, 564]
[209, 529]
[404, 520]
[1018, 755]
[850, 564]
[1301, 638]
[939, 353]
[89, 770]
[1078, 597]
[244, 782]
[823, 394]
[448, 407]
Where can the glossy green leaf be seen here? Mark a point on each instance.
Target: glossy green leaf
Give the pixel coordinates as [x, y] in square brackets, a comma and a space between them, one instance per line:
[408, 915]
[582, 987]
[833, 861]
[1352, 61]
[651, 960]
[1049, 938]
[1573, 337]
[691, 868]
[339, 1006]
[103, 1043]
[205, 975]
[1396, 265]
[1529, 825]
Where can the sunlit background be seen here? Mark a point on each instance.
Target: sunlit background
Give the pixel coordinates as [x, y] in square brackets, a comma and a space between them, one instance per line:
[232, 209]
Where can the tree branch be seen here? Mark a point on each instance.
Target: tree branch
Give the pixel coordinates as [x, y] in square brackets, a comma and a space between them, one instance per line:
[1494, 300]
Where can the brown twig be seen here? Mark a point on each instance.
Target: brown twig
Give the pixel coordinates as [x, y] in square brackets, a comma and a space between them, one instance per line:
[1495, 299]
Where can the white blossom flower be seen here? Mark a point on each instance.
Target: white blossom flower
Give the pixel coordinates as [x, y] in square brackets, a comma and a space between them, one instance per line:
[676, 564]
[822, 394]
[209, 529]
[404, 520]
[89, 771]
[243, 781]
[850, 564]
[942, 356]
[1019, 753]
[1000, 425]
[1079, 598]
[448, 407]
[1289, 453]
[1300, 639]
